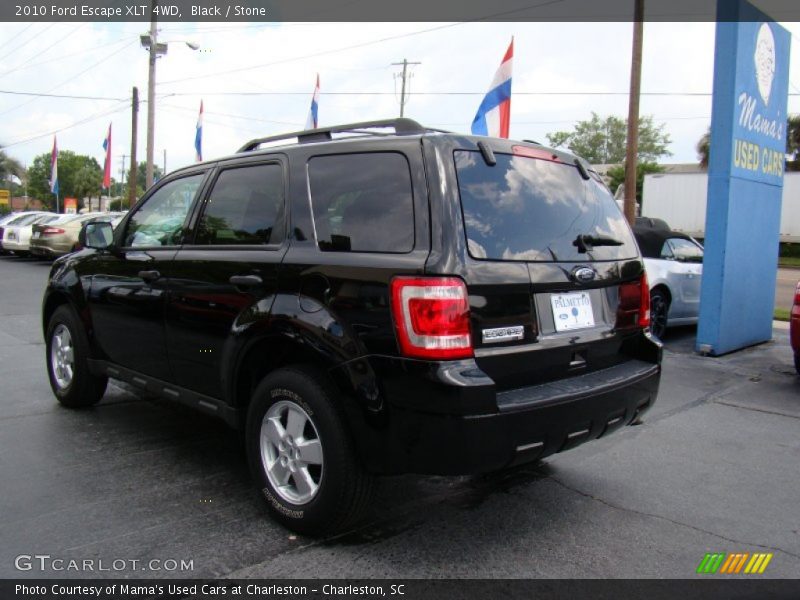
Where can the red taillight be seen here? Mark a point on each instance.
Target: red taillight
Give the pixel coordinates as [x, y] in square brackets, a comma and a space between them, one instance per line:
[52, 231]
[634, 303]
[540, 153]
[431, 317]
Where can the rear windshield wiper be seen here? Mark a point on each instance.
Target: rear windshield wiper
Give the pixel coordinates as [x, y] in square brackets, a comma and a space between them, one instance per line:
[584, 243]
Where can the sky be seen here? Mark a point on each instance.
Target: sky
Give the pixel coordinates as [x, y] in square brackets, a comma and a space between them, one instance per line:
[256, 79]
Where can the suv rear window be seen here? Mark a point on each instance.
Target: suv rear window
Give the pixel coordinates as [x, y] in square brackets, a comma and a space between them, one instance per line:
[362, 202]
[529, 209]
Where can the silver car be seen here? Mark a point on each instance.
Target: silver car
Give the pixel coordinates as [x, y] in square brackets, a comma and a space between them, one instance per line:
[674, 265]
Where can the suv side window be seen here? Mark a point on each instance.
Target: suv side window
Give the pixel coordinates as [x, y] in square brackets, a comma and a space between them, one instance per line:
[159, 221]
[245, 207]
[362, 202]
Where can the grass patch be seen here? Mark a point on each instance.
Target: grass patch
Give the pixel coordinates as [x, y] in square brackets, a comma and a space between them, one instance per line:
[781, 314]
[789, 261]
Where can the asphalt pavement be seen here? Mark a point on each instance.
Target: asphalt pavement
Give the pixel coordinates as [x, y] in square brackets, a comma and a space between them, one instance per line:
[713, 468]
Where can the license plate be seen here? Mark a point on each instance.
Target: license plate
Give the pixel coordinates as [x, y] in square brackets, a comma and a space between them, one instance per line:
[572, 311]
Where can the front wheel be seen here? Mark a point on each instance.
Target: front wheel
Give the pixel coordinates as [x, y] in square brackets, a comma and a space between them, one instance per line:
[301, 454]
[67, 361]
[659, 309]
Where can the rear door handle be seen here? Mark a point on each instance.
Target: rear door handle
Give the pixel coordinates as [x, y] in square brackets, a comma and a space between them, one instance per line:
[149, 275]
[245, 281]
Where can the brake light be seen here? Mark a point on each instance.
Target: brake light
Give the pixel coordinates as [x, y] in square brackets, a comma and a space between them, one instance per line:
[52, 231]
[431, 317]
[634, 303]
[539, 153]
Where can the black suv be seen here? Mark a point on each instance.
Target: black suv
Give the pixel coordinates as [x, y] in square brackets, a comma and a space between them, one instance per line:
[371, 298]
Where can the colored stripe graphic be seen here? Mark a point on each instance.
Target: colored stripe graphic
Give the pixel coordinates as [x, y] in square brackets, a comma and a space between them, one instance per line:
[732, 564]
[758, 564]
[711, 562]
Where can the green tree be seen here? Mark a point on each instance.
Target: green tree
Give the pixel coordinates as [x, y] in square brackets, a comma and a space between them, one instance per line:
[603, 140]
[703, 148]
[616, 176]
[141, 179]
[792, 145]
[79, 176]
[10, 167]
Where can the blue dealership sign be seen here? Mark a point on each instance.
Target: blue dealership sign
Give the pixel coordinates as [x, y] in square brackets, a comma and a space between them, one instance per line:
[745, 179]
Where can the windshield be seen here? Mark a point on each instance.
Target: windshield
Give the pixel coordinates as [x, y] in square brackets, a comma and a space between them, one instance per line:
[530, 209]
[685, 250]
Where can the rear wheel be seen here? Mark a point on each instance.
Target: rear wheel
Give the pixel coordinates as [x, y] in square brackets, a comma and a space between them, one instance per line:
[301, 454]
[659, 309]
[67, 361]
[797, 362]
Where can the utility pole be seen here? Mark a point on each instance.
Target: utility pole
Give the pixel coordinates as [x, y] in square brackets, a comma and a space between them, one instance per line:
[122, 175]
[632, 151]
[132, 177]
[165, 162]
[151, 97]
[150, 42]
[405, 75]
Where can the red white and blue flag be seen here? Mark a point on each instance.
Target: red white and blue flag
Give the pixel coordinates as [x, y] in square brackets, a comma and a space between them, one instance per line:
[313, 120]
[494, 114]
[107, 165]
[198, 136]
[54, 168]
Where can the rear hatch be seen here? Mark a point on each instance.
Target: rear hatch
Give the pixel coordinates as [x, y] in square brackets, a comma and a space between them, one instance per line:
[554, 275]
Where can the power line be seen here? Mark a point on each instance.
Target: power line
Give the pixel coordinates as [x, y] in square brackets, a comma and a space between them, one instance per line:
[364, 44]
[71, 79]
[123, 106]
[440, 93]
[28, 41]
[11, 39]
[63, 57]
[37, 94]
[73, 31]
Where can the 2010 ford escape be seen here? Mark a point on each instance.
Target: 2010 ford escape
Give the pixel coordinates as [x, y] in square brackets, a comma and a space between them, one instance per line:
[371, 298]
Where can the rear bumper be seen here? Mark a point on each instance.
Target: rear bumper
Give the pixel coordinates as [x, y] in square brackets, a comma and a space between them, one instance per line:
[40, 250]
[527, 424]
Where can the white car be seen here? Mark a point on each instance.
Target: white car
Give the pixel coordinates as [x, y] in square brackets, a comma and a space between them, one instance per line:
[674, 265]
[17, 232]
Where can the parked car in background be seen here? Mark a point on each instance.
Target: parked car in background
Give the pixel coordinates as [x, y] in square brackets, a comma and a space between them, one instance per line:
[14, 217]
[674, 264]
[17, 233]
[794, 327]
[60, 236]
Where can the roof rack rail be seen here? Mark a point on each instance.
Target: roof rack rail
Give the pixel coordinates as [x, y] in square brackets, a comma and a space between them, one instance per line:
[401, 126]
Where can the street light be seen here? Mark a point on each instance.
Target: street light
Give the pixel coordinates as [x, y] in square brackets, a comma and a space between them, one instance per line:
[155, 48]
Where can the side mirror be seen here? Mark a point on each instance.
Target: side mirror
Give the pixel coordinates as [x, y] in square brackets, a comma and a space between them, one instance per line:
[97, 235]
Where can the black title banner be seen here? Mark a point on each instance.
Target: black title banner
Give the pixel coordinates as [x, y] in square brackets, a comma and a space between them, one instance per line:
[371, 10]
[399, 589]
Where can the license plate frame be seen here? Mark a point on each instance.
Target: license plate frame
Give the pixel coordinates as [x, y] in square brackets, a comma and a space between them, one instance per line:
[572, 311]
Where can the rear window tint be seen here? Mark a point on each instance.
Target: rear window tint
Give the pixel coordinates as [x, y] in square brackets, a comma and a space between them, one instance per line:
[244, 207]
[528, 209]
[362, 202]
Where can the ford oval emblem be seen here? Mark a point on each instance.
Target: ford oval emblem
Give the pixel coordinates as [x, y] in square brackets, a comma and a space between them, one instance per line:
[584, 274]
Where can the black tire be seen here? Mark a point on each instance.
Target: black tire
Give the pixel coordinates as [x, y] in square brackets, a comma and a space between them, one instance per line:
[342, 485]
[797, 363]
[84, 388]
[659, 311]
